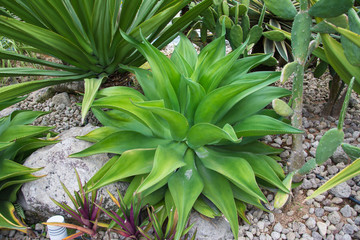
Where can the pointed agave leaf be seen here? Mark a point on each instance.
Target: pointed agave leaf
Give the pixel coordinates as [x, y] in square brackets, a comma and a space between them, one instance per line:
[178, 124]
[186, 50]
[130, 163]
[352, 36]
[10, 169]
[241, 208]
[118, 143]
[203, 208]
[185, 186]
[166, 160]
[125, 104]
[347, 173]
[262, 169]
[25, 117]
[99, 134]
[22, 131]
[261, 125]
[120, 90]
[91, 87]
[243, 196]
[207, 134]
[218, 190]
[236, 169]
[217, 103]
[211, 79]
[163, 70]
[15, 90]
[252, 104]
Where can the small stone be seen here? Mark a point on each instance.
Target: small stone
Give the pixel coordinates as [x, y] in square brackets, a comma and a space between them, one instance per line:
[316, 235]
[349, 229]
[275, 235]
[319, 212]
[322, 228]
[343, 190]
[319, 198]
[290, 236]
[311, 210]
[311, 223]
[39, 227]
[12, 233]
[332, 169]
[339, 156]
[306, 184]
[290, 213]
[278, 228]
[261, 225]
[337, 200]
[344, 237]
[62, 98]
[334, 217]
[331, 209]
[346, 211]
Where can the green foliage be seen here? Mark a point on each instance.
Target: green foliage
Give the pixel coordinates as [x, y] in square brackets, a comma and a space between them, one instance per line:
[129, 219]
[85, 36]
[168, 231]
[196, 110]
[86, 212]
[283, 8]
[17, 141]
[330, 8]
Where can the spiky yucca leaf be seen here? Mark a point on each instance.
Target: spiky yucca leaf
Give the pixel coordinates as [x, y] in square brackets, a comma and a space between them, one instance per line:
[85, 35]
[201, 129]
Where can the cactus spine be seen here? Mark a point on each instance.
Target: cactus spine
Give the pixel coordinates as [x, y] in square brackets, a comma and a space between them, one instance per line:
[300, 39]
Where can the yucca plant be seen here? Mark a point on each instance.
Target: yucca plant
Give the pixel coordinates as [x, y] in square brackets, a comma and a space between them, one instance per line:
[86, 212]
[18, 140]
[194, 132]
[85, 36]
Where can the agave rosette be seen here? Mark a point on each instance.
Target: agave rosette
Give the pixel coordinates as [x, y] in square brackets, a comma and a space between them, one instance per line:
[193, 134]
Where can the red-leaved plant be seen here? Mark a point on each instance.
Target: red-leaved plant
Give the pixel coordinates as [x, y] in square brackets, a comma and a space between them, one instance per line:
[128, 221]
[86, 211]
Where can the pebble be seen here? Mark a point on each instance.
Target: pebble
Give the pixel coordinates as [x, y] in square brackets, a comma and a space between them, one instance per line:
[322, 228]
[278, 228]
[346, 211]
[311, 223]
[319, 212]
[334, 217]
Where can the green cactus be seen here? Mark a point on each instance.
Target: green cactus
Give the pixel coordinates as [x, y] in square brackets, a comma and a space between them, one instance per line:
[307, 167]
[282, 8]
[352, 52]
[282, 108]
[330, 8]
[300, 36]
[352, 151]
[274, 35]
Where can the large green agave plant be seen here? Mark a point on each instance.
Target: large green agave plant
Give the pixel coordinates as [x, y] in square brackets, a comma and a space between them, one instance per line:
[193, 135]
[85, 36]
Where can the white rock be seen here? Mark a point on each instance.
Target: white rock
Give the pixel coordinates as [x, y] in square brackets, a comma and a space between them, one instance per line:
[35, 197]
[322, 228]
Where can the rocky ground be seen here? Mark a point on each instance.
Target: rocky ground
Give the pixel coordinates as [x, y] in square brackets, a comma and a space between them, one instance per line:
[331, 215]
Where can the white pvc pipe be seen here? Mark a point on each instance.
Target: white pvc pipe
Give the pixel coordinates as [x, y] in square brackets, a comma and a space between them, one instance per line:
[56, 232]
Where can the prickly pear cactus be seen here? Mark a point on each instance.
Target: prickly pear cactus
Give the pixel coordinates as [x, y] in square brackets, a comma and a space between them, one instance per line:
[281, 8]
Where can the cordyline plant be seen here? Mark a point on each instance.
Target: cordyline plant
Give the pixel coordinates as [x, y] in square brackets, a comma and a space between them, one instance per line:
[85, 36]
[129, 220]
[194, 133]
[86, 211]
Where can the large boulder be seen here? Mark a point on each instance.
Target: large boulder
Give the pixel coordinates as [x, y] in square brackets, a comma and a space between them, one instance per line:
[35, 196]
